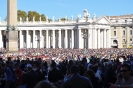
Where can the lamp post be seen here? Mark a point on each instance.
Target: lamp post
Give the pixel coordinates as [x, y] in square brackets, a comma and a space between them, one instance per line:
[85, 36]
[38, 39]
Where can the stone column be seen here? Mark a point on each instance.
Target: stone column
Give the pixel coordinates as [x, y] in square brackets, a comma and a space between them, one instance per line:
[42, 39]
[105, 38]
[47, 39]
[80, 39]
[27, 39]
[34, 45]
[66, 39]
[49, 36]
[90, 38]
[109, 39]
[53, 38]
[20, 39]
[101, 38]
[40, 46]
[95, 38]
[60, 38]
[72, 39]
[63, 38]
[98, 38]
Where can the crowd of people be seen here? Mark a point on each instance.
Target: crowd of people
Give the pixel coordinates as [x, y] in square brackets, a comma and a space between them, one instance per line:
[67, 68]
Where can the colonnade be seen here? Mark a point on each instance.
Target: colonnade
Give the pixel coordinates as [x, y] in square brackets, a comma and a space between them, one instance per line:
[64, 38]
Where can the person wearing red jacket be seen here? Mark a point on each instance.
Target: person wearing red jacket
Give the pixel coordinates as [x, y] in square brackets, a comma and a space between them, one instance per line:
[18, 73]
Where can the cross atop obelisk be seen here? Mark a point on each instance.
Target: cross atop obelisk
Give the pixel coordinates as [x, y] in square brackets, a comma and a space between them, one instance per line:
[12, 32]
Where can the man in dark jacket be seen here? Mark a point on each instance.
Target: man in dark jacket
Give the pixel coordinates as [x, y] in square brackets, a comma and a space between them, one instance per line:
[77, 81]
[37, 70]
[30, 77]
[55, 74]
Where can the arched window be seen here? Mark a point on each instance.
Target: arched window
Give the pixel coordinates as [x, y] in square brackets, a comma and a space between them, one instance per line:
[115, 42]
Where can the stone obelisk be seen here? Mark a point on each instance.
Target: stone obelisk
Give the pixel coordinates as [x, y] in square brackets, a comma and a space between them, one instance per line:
[12, 32]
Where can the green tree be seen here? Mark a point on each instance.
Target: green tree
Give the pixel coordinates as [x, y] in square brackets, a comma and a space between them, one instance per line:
[21, 14]
[49, 20]
[32, 14]
[63, 19]
[43, 17]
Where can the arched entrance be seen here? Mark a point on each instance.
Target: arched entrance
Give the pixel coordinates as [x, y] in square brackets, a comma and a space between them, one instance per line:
[115, 43]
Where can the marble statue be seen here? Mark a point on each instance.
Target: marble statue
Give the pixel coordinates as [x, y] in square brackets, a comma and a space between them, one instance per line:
[94, 18]
[72, 17]
[20, 19]
[94, 15]
[86, 14]
[66, 18]
[33, 18]
[79, 16]
[46, 19]
[53, 18]
[59, 19]
[40, 19]
[27, 19]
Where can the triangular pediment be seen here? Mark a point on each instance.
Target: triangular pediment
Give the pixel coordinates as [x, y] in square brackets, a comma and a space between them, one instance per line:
[103, 20]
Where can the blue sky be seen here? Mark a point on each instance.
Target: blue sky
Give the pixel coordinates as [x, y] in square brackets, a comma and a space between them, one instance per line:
[62, 8]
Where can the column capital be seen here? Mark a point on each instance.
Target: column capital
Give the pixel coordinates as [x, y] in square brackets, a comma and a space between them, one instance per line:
[105, 29]
[53, 29]
[59, 29]
[98, 28]
[65, 29]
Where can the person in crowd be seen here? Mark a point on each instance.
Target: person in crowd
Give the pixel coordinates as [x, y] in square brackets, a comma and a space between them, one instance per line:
[9, 75]
[94, 80]
[124, 80]
[55, 74]
[110, 75]
[43, 84]
[31, 77]
[2, 77]
[77, 81]
[18, 74]
[38, 70]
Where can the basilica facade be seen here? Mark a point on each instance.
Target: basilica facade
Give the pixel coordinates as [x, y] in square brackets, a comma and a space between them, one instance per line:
[84, 32]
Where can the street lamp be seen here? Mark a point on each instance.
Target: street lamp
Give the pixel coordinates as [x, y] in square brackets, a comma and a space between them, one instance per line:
[85, 36]
[38, 39]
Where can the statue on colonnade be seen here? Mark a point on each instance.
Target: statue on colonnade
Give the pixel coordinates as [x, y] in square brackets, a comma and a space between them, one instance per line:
[33, 19]
[40, 19]
[27, 19]
[86, 14]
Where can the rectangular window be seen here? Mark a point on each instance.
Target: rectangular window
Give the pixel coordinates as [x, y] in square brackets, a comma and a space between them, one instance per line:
[114, 33]
[131, 33]
[130, 40]
[124, 33]
[124, 46]
[123, 40]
